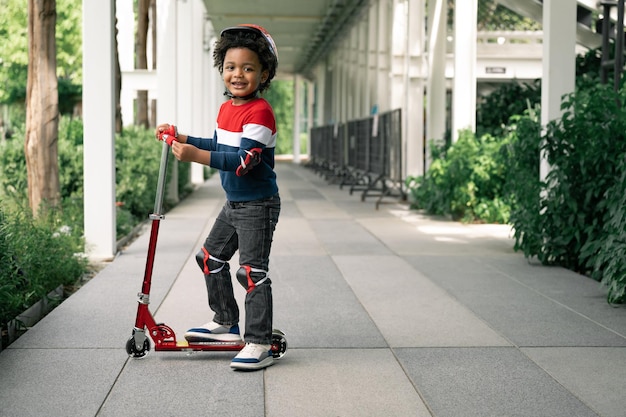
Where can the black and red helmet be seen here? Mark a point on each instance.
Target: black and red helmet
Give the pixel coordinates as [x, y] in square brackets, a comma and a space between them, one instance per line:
[259, 30]
[270, 61]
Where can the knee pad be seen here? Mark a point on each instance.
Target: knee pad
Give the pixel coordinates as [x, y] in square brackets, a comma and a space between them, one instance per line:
[245, 279]
[208, 263]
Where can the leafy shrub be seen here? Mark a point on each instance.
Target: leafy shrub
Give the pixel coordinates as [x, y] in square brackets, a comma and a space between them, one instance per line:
[37, 255]
[509, 99]
[523, 187]
[136, 171]
[576, 219]
[465, 181]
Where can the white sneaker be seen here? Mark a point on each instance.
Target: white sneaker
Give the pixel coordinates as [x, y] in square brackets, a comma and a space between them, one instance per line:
[212, 332]
[253, 357]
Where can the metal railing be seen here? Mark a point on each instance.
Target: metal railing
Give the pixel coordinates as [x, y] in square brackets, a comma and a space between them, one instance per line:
[365, 154]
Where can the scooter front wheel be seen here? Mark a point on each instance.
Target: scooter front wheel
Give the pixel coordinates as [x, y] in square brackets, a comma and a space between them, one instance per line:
[279, 344]
[137, 353]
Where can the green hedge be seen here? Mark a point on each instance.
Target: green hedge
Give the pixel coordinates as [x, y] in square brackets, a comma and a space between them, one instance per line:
[38, 255]
[577, 218]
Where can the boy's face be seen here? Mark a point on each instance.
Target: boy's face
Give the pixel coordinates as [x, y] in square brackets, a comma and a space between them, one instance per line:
[242, 72]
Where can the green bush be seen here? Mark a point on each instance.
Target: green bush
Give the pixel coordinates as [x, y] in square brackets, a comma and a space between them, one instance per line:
[137, 156]
[523, 186]
[465, 181]
[36, 256]
[576, 219]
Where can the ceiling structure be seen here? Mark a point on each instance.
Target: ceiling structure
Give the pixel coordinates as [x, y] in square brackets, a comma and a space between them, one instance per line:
[585, 33]
[303, 31]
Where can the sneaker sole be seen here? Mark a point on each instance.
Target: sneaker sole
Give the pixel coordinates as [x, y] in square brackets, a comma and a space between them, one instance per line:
[252, 366]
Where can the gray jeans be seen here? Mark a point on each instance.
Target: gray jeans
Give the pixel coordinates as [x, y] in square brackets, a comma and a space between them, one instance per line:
[248, 227]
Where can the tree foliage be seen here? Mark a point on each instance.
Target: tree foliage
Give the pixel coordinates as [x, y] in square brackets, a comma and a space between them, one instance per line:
[280, 96]
[14, 51]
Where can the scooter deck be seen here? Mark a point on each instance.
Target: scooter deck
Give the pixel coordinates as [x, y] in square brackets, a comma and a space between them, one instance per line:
[184, 345]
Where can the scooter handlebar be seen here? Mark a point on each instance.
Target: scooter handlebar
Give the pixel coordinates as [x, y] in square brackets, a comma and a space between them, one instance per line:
[169, 135]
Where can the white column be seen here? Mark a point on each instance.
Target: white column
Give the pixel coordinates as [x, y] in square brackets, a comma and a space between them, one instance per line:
[297, 99]
[199, 89]
[383, 55]
[320, 99]
[166, 61]
[372, 75]
[126, 53]
[559, 56]
[399, 38]
[99, 128]
[310, 101]
[413, 113]
[184, 79]
[212, 97]
[464, 92]
[167, 58]
[436, 82]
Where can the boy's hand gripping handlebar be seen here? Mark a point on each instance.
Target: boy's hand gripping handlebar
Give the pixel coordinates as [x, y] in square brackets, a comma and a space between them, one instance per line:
[169, 135]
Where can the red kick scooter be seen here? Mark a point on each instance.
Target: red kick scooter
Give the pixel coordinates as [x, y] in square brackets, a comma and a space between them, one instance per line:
[163, 337]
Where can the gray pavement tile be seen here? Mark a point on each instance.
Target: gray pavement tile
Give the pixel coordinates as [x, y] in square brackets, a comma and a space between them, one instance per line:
[595, 375]
[57, 382]
[320, 209]
[305, 194]
[578, 292]
[296, 236]
[315, 307]
[175, 384]
[408, 308]
[522, 315]
[288, 209]
[345, 236]
[482, 382]
[340, 382]
[423, 236]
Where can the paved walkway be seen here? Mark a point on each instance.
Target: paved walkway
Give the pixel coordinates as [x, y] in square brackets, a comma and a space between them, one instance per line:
[387, 313]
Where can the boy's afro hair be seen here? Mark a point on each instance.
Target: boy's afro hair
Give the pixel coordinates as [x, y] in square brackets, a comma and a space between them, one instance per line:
[246, 39]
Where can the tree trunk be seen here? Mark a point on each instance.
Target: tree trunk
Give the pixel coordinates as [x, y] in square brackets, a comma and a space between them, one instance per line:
[42, 107]
[142, 59]
[119, 124]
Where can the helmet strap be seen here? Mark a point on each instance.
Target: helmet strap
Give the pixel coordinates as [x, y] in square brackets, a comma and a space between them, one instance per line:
[228, 94]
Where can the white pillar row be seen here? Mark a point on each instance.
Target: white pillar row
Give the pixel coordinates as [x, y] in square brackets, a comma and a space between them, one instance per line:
[362, 97]
[199, 87]
[383, 55]
[320, 103]
[352, 72]
[372, 58]
[436, 78]
[413, 112]
[310, 102]
[341, 84]
[297, 117]
[399, 34]
[464, 91]
[99, 128]
[183, 82]
[126, 53]
[167, 76]
[559, 57]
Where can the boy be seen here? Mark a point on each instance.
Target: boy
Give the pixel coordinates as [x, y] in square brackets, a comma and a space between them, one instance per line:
[242, 148]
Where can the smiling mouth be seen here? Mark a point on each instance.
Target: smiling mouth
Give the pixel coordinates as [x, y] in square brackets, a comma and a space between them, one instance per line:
[238, 85]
